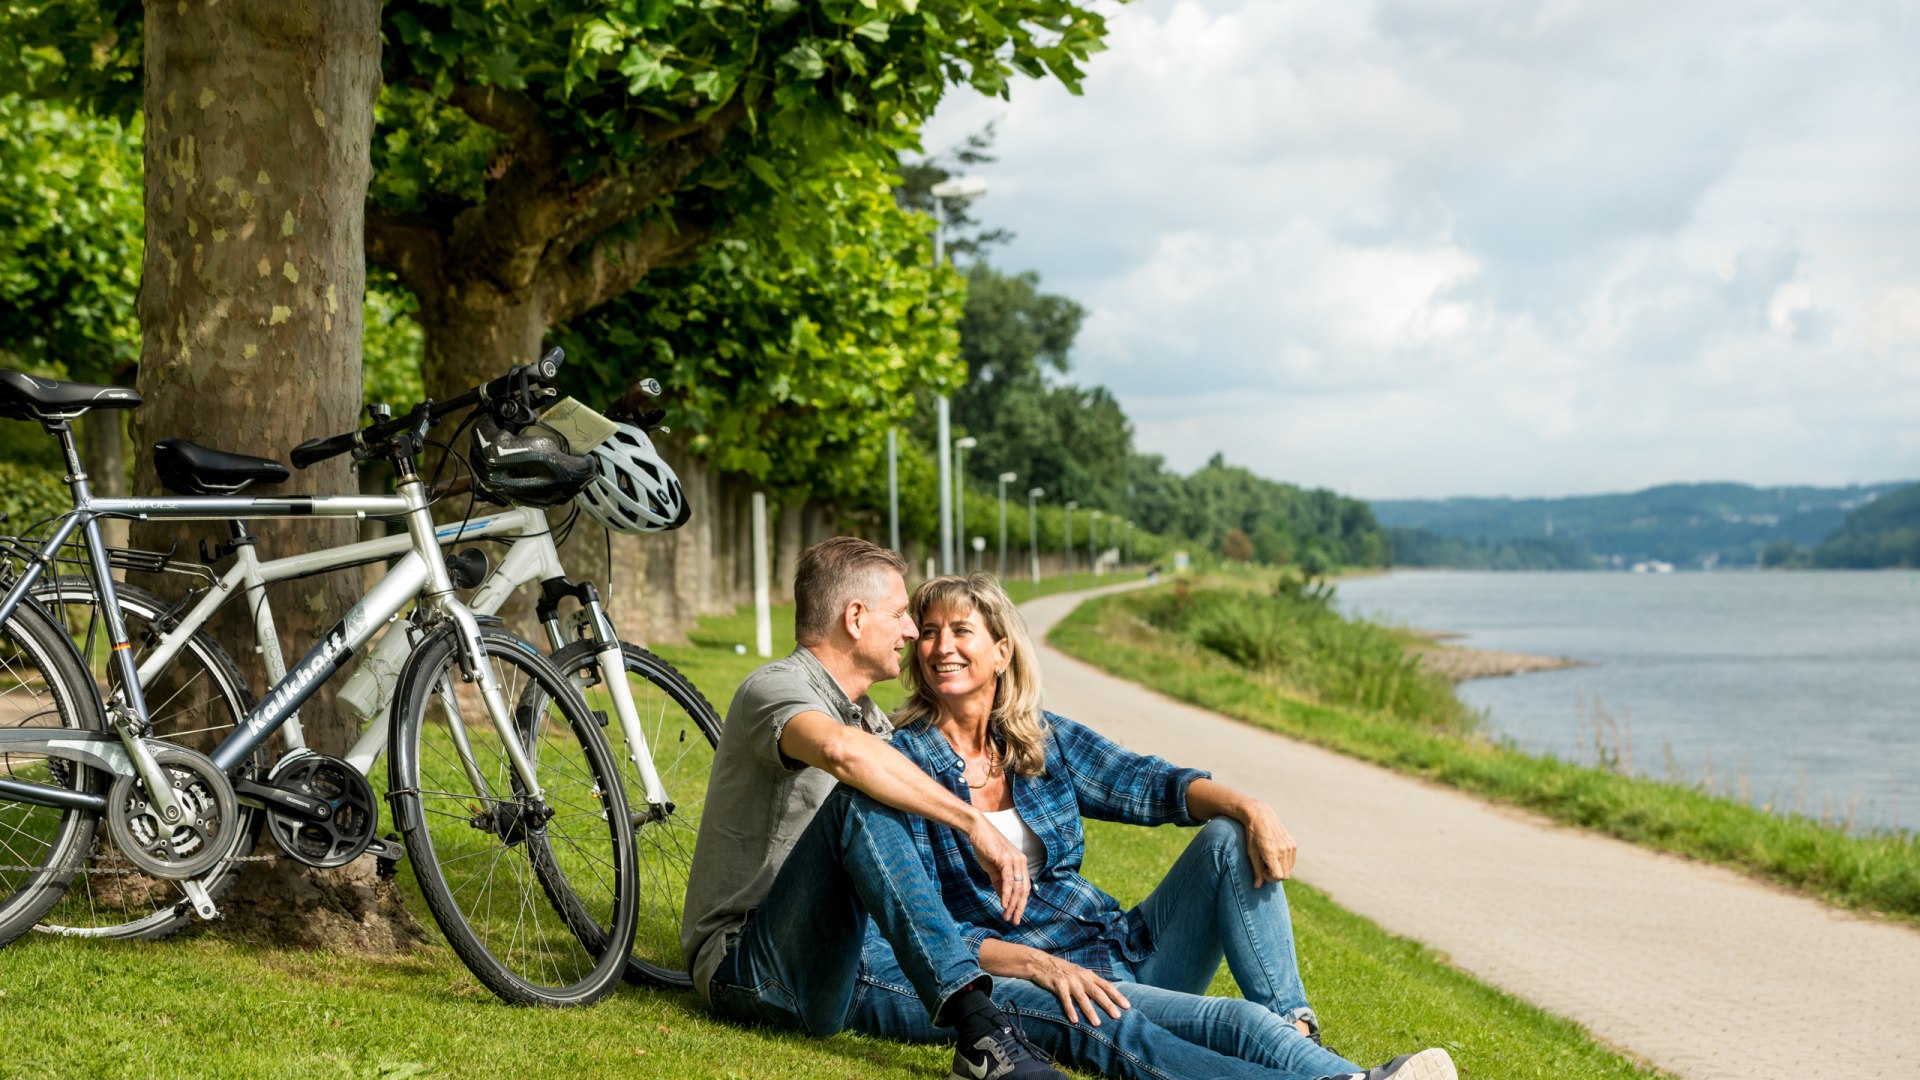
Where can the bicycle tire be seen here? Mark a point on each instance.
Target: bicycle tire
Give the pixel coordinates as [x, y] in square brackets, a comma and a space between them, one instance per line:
[672, 713]
[42, 685]
[476, 852]
[196, 702]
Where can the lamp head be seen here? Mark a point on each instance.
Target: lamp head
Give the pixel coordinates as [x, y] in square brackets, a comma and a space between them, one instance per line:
[960, 187]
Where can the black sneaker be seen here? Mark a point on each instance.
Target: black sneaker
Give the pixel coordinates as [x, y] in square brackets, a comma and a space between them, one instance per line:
[1006, 1054]
[1429, 1064]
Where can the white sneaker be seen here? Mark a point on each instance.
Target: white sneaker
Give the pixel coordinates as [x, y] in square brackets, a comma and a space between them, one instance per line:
[1430, 1064]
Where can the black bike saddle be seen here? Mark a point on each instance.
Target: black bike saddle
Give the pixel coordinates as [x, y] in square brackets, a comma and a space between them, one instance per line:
[188, 468]
[30, 397]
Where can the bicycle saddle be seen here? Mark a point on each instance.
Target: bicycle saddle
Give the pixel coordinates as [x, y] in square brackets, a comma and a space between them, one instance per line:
[30, 397]
[188, 468]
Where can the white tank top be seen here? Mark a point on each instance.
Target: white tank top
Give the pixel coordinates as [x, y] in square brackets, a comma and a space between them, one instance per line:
[1017, 834]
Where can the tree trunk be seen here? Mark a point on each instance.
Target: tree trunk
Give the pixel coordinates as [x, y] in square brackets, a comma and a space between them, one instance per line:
[259, 120]
[105, 454]
[475, 331]
[789, 537]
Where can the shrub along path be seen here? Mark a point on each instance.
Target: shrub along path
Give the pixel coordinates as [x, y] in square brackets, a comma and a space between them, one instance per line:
[1696, 969]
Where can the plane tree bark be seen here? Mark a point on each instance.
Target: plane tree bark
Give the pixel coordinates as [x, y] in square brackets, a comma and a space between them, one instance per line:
[258, 123]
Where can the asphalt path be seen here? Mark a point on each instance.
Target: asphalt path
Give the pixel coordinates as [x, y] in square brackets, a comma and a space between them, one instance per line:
[1699, 970]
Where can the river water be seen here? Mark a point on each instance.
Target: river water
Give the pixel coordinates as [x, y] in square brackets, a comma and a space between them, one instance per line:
[1799, 691]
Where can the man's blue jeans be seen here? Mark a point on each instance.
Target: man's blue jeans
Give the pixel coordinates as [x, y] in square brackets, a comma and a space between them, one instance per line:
[1205, 910]
[854, 867]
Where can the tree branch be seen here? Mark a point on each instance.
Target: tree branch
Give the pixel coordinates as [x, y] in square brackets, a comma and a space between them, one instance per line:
[615, 265]
[510, 113]
[622, 198]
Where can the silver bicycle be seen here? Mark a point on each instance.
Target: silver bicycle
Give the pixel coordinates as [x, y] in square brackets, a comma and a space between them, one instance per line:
[500, 780]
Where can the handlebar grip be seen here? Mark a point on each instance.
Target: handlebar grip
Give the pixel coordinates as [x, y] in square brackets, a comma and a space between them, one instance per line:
[315, 451]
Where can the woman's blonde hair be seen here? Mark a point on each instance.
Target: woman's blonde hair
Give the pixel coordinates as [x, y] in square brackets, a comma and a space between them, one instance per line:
[1016, 694]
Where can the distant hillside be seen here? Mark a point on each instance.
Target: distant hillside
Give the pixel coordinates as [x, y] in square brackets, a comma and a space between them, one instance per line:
[1885, 532]
[1688, 525]
[1424, 547]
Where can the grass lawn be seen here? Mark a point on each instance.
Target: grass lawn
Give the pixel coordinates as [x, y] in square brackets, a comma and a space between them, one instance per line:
[200, 1005]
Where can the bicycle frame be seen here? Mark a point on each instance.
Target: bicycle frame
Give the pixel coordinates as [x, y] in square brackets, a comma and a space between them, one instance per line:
[532, 556]
[124, 752]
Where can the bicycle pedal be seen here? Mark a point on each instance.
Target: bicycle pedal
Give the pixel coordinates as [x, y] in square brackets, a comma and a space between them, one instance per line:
[388, 850]
[201, 899]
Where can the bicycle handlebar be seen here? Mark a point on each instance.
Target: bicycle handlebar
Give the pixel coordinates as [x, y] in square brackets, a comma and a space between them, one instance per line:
[542, 371]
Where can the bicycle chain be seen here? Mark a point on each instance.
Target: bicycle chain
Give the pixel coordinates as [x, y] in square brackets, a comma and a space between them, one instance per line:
[128, 871]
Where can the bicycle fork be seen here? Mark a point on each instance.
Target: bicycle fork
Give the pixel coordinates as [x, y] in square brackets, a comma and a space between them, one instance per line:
[611, 659]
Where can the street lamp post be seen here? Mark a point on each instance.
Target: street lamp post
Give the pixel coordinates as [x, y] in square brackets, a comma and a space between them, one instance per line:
[893, 489]
[1033, 531]
[1071, 507]
[957, 187]
[960, 447]
[1093, 544]
[1005, 479]
[946, 485]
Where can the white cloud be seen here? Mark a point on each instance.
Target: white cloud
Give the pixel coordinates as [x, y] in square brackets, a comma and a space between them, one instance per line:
[1417, 248]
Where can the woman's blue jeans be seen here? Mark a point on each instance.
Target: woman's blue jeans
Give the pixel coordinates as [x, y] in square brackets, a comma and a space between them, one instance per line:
[1205, 910]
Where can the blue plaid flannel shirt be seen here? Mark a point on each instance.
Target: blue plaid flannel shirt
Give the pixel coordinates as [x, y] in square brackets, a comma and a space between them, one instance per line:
[1086, 774]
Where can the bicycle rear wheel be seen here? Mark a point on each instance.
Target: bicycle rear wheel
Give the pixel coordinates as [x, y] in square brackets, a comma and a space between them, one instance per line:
[488, 856]
[195, 702]
[681, 729]
[41, 686]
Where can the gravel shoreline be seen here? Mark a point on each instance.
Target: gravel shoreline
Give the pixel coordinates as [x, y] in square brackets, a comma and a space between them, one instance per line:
[1460, 663]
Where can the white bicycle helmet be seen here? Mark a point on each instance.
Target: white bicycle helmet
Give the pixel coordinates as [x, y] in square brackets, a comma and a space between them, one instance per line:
[635, 491]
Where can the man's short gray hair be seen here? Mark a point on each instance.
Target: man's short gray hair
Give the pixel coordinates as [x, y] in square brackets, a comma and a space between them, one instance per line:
[832, 574]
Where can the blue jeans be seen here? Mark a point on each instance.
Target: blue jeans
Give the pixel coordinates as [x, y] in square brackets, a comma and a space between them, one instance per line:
[854, 867]
[1205, 910]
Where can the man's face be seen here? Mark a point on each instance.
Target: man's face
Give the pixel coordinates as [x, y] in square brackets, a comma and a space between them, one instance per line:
[886, 629]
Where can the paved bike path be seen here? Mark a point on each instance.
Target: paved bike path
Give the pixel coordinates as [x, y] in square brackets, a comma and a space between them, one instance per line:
[1699, 970]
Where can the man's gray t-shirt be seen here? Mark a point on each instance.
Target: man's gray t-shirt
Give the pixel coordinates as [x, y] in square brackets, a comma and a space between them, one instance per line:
[758, 800]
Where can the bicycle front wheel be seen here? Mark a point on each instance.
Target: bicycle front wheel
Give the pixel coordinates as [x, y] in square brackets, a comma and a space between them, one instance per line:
[681, 729]
[41, 686]
[488, 855]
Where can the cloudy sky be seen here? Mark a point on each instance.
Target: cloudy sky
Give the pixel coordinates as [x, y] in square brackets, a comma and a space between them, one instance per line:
[1409, 248]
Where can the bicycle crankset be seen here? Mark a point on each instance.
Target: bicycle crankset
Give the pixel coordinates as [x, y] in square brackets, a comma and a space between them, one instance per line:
[341, 829]
[208, 825]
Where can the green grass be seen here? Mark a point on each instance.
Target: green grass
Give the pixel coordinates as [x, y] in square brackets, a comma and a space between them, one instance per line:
[1876, 872]
[211, 1007]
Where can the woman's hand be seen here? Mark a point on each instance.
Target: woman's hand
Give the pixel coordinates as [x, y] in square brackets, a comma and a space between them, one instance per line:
[1079, 990]
[1270, 848]
[1075, 985]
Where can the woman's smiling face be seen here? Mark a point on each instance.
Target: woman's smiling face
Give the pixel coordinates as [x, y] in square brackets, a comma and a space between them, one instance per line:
[958, 656]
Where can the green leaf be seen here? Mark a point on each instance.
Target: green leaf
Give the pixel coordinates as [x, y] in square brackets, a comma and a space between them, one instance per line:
[805, 61]
[597, 35]
[761, 168]
[643, 69]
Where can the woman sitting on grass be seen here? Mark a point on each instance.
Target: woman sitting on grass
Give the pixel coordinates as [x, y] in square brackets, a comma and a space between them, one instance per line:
[1121, 993]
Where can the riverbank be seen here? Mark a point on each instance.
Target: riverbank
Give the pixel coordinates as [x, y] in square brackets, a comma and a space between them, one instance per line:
[1420, 733]
[1459, 663]
[1683, 964]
